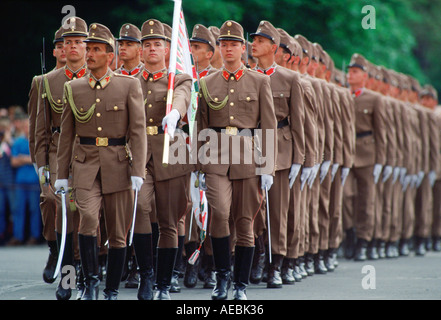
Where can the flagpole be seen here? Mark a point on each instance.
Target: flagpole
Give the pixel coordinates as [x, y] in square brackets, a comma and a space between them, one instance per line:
[171, 75]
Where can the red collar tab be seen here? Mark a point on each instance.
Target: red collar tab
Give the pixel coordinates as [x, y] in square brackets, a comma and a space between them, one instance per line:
[268, 71]
[72, 75]
[132, 72]
[357, 93]
[154, 76]
[227, 76]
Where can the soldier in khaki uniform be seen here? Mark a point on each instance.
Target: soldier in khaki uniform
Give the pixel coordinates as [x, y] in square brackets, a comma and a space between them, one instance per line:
[216, 61]
[129, 49]
[161, 182]
[370, 152]
[288, 103]
[47, 205]
[235, 101]
[101, 113]
[47, 127]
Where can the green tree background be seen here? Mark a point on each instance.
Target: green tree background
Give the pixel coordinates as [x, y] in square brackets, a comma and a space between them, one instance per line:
[407, 37]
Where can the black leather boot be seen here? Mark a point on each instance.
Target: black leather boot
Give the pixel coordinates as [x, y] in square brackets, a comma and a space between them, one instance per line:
[301, 264]
[222, 265]
[360, 250]
[350, 243]
[79, 279]
[116, 258]
[287, 271]
[142, 244]
[191, 270]
[371, 252]
[274, 272]
[381, 249]
[297, 273]
[309, 263]
[420, 246]
[436, 244]
[329, 257]
[210, 275]
[404, 247]
[319, 263]
[165, 263]
[64, 293]
[179, 267]
[51, 264]
[89, 263]
[258, 261]
[242, 268]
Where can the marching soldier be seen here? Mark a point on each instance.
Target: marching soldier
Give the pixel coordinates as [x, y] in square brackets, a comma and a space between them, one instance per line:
[370, 153]
[203, 46]
[129, 49]
[101, 113]
[290, 114]
[48, 123]
[163, 183]
[47, 205]
[235, 101]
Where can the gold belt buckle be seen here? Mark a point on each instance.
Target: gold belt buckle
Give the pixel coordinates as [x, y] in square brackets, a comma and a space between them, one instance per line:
[232, 131]
[102, 142]
[152, 130]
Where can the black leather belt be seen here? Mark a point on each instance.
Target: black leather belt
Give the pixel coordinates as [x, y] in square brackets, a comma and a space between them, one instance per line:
[103, 141]
[56, 129]
[282, 123]
[364, 134]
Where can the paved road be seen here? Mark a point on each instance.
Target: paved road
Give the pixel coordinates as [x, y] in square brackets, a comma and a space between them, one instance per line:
[407, 278]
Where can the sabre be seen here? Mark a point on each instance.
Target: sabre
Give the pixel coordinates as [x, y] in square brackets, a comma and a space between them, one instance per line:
[63, 231]
[269, 226]
[132, 229]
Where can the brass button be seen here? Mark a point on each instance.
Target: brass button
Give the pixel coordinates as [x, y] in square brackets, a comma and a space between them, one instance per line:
[150, 79]
[150, 120]
[231, 118]
[98, 114]
[150, 105]
[76, 157]
[58, 101]
[100, 129]
[248, 98]
[115, 108]
[232, 104]
[149, 92]
[232, 90]
[216, 99]
[98, 87]
[281, 95]
[98, 100]
[232, 78]
[81, 109]
[365, 111]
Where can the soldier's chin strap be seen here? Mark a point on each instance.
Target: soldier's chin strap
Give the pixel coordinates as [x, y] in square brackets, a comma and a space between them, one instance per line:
[63, 231]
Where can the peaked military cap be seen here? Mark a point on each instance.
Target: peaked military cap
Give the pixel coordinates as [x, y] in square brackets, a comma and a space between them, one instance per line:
[167, 32]
[296, 48]
[285, 40]
[129, 32]
[202, 34]
[75, 27]
[152, 29]
[101, 34]
[267, 30]
[215, 31]
[305, 44]
[231, 30]
[429, 90]
[319, 52]
[59, 35]
[358, 61]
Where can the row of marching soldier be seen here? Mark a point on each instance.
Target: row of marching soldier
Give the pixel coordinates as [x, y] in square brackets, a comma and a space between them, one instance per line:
[354, 169]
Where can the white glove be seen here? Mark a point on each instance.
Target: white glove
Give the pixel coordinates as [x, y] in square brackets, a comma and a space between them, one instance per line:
[313, 175]
[334, 169]
[266, 181]
[432, 178]
[171, 120]
[387, 172]
[420, 178]
[377, 172]
[136, 183]
[414, 181]
[324, 170]
[403, 172]
[306, 172]
[407, 179]
[60, 184]
[40, 174]
[396, 174]
[344, 175]
[295, 169]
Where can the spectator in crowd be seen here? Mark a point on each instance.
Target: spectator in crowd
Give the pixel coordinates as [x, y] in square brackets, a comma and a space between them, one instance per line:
[27, 192]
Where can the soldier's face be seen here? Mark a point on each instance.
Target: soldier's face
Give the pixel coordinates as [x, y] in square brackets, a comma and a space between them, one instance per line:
[129, 50]
[231, 50]
[262, 46]
[357, 77]
[75, 48]
[59, 52]
[428, 101]
[201, 52]
[97, 57]
[154, 51]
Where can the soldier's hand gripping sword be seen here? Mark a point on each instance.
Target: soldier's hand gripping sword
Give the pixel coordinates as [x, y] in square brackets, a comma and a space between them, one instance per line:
[63, 231]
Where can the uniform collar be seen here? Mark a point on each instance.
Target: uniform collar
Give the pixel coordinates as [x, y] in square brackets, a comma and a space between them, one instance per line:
[75, 74]
[103, 82]
[357, 93]
[268, 71]
[155, 75]
[236, 75]
[204, 72]
[132, 72]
